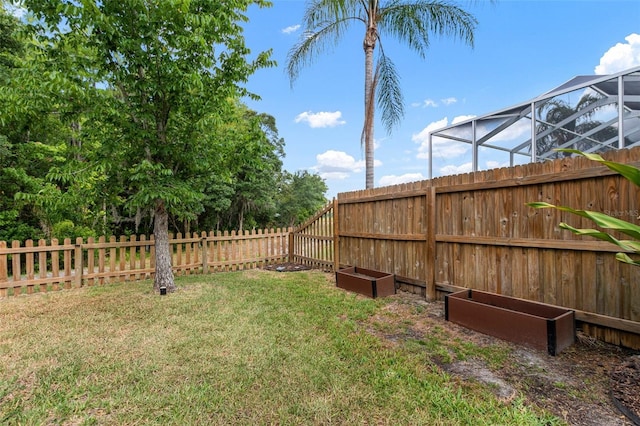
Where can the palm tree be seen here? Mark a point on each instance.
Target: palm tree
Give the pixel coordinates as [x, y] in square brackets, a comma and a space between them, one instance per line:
[410, 21]
[566, 126]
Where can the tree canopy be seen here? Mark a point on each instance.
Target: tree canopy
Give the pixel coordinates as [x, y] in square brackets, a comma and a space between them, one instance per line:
[121, 115]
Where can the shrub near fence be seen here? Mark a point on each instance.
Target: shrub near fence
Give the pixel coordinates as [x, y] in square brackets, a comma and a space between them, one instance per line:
[49, 267]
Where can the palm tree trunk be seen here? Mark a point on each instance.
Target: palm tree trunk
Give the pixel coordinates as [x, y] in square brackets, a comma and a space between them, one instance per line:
[369, 104]
[164, 273]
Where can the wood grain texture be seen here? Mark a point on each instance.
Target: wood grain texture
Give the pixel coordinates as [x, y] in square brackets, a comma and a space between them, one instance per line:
[487, 238]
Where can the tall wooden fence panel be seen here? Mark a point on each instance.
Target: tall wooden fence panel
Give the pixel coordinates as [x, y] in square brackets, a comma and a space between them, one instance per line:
[46, 267]
[476, 231]
[387, 231]
[312, 243]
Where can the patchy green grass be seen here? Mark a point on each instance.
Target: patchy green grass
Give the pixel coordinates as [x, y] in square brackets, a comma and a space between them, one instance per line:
[248, 348]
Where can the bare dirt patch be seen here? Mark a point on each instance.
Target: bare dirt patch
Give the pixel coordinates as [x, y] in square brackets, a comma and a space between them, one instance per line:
[287, 267]
[580, 385]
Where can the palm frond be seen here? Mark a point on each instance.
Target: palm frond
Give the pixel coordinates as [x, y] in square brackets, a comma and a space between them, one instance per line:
[623, 257]
[314, 42]
[319, 11]
[600, 219]
[414, 21]
[389, 95]
[627, 245]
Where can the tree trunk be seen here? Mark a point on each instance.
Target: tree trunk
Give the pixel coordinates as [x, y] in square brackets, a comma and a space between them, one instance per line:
[164, 272]
[241, 216]
[369, 105]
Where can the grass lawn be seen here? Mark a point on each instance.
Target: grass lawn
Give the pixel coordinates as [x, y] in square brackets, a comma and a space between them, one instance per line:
[247, 348]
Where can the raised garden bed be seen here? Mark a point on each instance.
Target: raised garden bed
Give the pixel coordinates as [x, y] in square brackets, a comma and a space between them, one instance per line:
[530, 323]
[366, 281]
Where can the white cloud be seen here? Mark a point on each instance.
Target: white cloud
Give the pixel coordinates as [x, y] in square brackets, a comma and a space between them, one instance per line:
[423, 136]
[430, 103]
[468, 167]
[321, 119]
[427, 103]
[291, 29]
[377, 143]
[395, 180]
[443, 148]
[517, 132]
[456, 170]
[339, 165]
[621, 56]
[496, 164]
[461, 118]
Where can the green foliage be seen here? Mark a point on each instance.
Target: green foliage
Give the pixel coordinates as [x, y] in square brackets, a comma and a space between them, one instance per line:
[602, 220]
[67, 229]
[108, 107]
[302, 194]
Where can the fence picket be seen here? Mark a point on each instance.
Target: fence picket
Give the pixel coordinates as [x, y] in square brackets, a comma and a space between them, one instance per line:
[42, 266]
[55, 266]
[128, 259]
[122, 258]
[132, 257]
[102, 253]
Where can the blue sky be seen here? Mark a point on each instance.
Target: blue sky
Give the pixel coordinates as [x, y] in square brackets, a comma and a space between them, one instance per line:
[522, 49]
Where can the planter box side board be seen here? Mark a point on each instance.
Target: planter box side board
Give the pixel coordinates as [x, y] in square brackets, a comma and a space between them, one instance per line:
[366, 282]
[520, 321]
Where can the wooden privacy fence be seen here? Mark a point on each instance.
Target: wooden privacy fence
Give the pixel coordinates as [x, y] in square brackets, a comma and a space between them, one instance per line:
[475, 231]
[48, 267]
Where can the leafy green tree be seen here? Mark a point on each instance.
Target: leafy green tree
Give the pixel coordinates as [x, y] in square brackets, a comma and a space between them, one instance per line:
[12, 218]
[44, 102]
[301, 195]
[172, 67]
[31, 133]
[259, 165]
[412, 22]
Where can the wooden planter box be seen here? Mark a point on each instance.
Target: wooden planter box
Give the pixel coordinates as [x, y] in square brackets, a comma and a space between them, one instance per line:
[521, 321]
[366, 281]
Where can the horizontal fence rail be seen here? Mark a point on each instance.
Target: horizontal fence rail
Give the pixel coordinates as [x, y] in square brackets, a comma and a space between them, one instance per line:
[43, 267]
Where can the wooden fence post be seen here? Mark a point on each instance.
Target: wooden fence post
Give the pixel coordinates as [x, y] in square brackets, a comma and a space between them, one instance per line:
[55, 265]
[291, 244]
[42, 264]
[430, 261]
[336, 237]
[79, 264]
[205, 256]
[67, 264]
[4, 270]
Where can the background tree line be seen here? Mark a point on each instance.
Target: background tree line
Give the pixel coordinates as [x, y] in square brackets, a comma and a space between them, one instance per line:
[74, 160]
